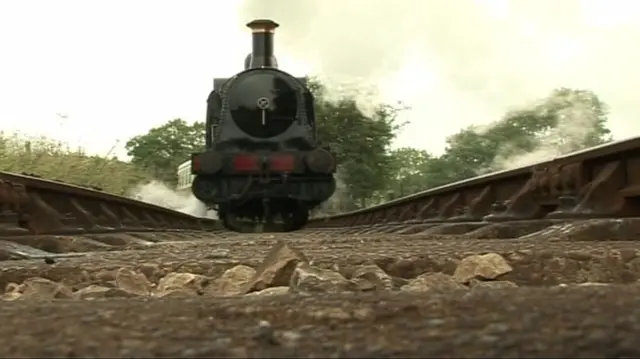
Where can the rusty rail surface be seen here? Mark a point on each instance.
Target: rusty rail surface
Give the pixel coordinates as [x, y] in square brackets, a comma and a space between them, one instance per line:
[32, 205]
[599, 182]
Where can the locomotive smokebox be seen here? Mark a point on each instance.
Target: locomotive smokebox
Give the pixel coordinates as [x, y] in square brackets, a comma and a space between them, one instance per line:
[262, 52]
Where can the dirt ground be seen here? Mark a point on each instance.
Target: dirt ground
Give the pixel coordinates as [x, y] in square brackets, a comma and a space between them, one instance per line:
[520, 322]
[531, 297]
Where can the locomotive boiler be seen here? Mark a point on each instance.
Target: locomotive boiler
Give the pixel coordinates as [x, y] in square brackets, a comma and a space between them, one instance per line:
[263, 161]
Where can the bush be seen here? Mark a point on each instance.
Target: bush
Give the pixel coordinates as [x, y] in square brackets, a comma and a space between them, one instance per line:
[55, 160]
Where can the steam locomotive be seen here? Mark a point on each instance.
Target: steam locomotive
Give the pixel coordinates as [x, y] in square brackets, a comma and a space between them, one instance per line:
[263, 162]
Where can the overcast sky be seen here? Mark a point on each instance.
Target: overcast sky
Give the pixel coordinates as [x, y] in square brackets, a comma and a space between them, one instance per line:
[93, 73]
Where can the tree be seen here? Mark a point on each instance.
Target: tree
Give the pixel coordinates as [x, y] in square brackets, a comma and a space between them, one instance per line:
[567, 120]
[410, 172]
[163, 148]
[361, 142]
[577, 119]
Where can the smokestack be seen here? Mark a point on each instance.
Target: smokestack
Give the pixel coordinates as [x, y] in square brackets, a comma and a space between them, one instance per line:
[262, 52]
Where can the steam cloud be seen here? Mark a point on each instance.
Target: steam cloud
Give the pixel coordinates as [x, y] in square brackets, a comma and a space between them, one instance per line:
[575, 124]
[464, 62]
[337, 203]
[159, 194]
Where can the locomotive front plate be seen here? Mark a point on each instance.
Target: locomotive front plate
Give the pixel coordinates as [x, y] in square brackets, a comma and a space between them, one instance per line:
[263, 104]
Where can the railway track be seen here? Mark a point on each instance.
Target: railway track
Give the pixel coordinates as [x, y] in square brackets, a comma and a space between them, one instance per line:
[597, 183]
[36, 212]
[537, 261]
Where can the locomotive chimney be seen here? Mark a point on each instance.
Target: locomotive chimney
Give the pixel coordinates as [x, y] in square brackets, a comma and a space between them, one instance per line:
[262, 52]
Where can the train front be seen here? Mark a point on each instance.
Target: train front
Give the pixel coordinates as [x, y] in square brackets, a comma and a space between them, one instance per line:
[265, 162]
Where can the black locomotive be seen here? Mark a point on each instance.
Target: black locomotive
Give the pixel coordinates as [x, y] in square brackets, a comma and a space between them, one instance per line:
[263, 162]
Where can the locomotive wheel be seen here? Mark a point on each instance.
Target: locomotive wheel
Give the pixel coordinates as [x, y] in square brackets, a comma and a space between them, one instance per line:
[295, 219]
[230, 222]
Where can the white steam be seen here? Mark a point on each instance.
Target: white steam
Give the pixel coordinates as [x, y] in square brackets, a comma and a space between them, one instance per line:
[463, 62]
[575, 124]
[159, 194]
[338, 203]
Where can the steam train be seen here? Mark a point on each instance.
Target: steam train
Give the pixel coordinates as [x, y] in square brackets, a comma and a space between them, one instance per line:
[263, 162]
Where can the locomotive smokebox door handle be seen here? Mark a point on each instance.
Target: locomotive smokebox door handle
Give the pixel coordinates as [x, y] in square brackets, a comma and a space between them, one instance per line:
[263, 104]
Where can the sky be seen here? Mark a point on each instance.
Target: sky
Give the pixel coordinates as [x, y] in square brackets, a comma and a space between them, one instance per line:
[95, 73]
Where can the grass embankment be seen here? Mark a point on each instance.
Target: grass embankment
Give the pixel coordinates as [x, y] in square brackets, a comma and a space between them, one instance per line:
[55, 160]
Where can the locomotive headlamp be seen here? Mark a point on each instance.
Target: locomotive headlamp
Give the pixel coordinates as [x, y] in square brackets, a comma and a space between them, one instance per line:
[320, 161]
[208, 162]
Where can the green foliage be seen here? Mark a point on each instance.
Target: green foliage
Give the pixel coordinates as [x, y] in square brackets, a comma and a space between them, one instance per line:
[408, 167]
[361, 142]
[567, 120]
[163, 148]
[52, 159]
[370, 172]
